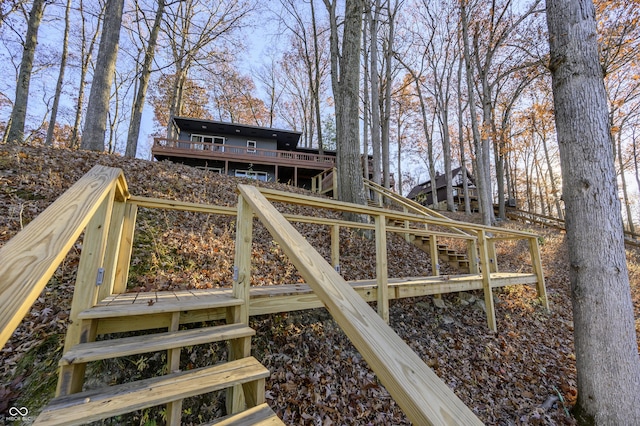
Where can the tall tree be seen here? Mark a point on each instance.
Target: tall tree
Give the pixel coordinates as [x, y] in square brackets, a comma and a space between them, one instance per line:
[143, 84]
[15, 131]
[345, 81]
[63, 64]
[95, 125]
[86, 54]
[607, 357]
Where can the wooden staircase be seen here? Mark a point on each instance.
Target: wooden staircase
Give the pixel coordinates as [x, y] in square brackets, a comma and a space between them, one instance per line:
[459, 261]
[242, 375]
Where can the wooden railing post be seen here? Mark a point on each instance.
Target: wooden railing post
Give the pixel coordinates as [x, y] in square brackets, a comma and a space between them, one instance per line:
[407, 236]
[472, 255]
[335, 247]
[114, 238]
[85, 294]
[536, 262]
[381, 267]
[126, 248]
[435, 264]
[486, 279]
[241, 284]
[493, 258]
[242, 267]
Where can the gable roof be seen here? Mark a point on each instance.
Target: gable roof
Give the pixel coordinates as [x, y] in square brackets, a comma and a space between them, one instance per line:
[287, 140]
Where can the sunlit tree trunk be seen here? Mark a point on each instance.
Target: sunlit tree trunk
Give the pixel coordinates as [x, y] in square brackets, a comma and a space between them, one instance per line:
[373, 16]
[607, 360]
[85, 54]
[143, 85]
[15, 131]
[95, 124]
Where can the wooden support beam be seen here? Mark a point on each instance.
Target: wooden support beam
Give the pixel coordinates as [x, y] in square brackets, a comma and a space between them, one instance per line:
[126, 248]
[486, 280]
[493, 258]
[85, 293]
[242, 267]
[472, 255]
[536, 262]
[424, 398]
[435, 261]
[174, 408]
[335, 247]
[382, 276]
[114, 238]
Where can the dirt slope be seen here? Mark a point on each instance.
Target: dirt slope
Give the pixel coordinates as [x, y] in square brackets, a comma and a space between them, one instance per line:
[524, 374]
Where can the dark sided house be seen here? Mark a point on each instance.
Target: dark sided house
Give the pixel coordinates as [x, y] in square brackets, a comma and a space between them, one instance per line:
[423, 193]
[244, 151]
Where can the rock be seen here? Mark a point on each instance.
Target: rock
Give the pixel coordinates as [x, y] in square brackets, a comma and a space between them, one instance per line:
[439, 303]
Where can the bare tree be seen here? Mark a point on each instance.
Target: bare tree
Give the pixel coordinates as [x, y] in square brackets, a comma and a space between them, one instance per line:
[143, 83]
[93, 134]
[63, 64]
[86, 53]
[345, 80]
[15, 130]
[607, 359]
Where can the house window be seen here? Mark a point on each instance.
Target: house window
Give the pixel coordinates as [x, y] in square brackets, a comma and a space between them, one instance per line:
[251, 147]
[252, 175]
[205, 142]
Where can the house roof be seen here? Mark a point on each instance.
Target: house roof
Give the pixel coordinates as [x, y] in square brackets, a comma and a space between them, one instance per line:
[287, 140]
[441, 182]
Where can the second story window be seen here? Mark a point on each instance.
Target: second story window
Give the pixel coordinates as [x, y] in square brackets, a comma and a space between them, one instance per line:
[251, 147]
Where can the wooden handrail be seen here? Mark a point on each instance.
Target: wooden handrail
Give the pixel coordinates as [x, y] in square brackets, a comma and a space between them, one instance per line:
[424, 398]
[287, 197]
[29, 259]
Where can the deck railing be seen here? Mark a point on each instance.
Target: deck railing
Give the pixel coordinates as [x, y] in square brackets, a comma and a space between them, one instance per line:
[244, 153]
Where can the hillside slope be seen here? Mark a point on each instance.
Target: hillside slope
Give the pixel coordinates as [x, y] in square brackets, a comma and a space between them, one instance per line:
[524, 374]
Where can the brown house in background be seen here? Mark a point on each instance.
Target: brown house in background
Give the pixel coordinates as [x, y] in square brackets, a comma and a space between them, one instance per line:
[241, 150]
[423, 193]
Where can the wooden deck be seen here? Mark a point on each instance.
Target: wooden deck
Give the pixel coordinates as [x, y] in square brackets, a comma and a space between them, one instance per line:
[151, 308]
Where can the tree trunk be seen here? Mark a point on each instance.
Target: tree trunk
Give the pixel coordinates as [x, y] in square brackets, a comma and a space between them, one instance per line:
[607, 360]
[85, 58]
[375, 93]
[463, 160]
[15, 130]
[479, 169]
[625, 194]
[143, 85]
[316, 80]
[96, 119]
[63, 65]
[386, 118]
[345, 78]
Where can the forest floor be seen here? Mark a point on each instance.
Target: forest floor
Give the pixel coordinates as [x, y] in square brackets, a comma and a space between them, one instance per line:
[523, 374]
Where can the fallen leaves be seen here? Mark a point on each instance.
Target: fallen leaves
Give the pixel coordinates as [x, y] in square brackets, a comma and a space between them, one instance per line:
[524, 374]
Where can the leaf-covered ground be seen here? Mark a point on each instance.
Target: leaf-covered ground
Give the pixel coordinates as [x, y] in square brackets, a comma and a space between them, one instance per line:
[524, 374]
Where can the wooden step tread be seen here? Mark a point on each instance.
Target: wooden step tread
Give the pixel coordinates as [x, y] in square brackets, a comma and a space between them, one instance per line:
[159, 302]
[87, 352]
[260, 415]
[84, 407]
